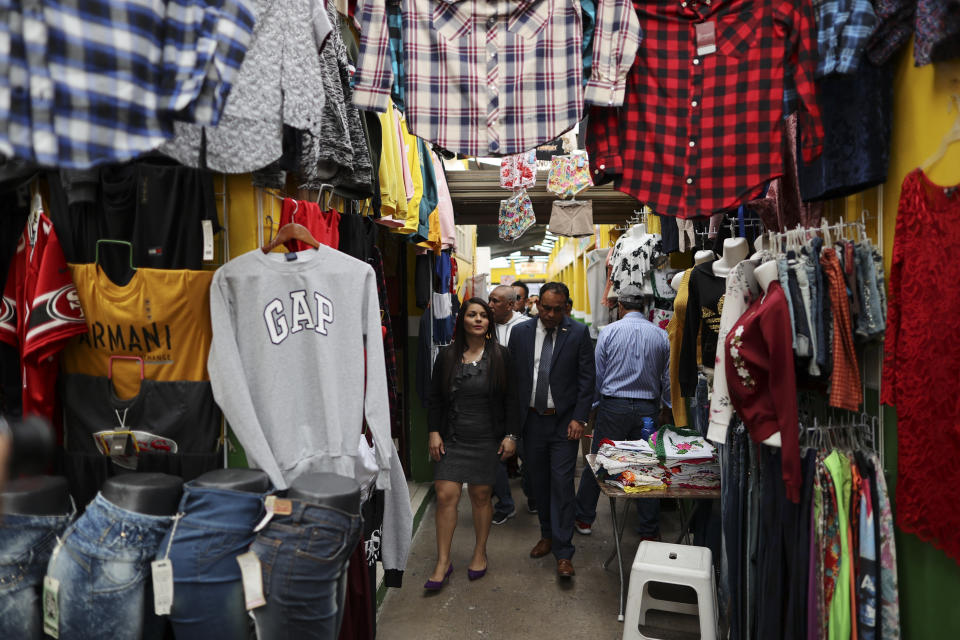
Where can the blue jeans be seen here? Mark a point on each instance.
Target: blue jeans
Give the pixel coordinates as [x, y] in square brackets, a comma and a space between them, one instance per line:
[618, 419]
[208, 591]
[303, 558]
[26, 543]
[501, 489]
[701, 405]
[103, 568]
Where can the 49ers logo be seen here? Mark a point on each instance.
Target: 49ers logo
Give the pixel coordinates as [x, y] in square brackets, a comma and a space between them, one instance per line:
[64, 305]
[7, 311]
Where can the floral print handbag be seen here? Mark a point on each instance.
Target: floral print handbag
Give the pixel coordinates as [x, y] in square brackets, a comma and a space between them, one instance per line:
[516, 216]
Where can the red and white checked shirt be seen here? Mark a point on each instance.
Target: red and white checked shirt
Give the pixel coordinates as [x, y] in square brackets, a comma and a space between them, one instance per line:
[495, 77]
[702, 132]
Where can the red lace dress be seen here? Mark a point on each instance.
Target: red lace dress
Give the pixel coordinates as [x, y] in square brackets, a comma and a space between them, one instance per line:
[921, 368]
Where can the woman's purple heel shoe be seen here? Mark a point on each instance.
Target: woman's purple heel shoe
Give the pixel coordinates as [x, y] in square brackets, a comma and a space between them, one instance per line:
[436, 585]
[476, 575]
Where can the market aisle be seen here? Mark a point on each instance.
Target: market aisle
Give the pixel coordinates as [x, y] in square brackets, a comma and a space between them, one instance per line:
[520, 597]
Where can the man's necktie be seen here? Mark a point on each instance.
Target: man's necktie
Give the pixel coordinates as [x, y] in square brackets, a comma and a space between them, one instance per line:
[543, 373]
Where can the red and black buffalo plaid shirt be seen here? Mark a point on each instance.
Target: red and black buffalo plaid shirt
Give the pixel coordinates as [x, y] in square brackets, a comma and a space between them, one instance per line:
[702, 132]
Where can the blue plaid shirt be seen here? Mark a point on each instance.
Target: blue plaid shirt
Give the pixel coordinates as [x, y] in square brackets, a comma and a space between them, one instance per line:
[395, 28]
[88, 82]
[588, 10]
[843, 29]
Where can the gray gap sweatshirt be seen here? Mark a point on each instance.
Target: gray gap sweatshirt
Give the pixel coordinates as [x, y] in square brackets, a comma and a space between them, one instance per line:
[287, 361]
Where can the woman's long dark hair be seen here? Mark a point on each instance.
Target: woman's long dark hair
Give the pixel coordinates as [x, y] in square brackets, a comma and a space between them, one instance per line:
[453, 354]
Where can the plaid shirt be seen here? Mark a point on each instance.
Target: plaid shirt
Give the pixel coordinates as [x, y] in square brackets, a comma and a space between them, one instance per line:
[495, 77]
[843, 29]
[85, 82]
[395, 27]
[701, 133]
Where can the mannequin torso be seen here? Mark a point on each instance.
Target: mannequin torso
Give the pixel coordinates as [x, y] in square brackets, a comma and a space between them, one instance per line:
[675, 282]
[327, 489]
[637, 231]
[734, 250]
[765, 274]
[37, 496]
[154, 494]
[704, 255]
[252, 480]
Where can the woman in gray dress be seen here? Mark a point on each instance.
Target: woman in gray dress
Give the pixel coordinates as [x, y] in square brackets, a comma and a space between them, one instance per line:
[470, 395]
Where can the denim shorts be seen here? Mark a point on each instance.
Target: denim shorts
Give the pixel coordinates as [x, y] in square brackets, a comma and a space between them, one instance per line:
[303, 558]
[217, 526]
[26, 543]
[103, 568]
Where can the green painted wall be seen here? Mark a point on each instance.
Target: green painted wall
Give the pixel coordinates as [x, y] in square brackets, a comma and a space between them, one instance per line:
[929, 580]
[421, 469]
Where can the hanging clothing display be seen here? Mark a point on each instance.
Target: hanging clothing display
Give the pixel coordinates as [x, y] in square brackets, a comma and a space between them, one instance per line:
[857, 124]
[161, 316]
[726, 86]
[600, 313]
[916, 359]
[41, 313]
[302, 314]
[65, 68]
[171, 417]
[465, 94]
[705, 302]
[633, 257]
[167, 213]
[936, 25]
[760, 378]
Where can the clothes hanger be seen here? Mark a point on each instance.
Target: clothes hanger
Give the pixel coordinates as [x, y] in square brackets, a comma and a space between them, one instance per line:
[112, 358]
[952, 135]
[291, 231]
[128, 245]
[329, 189]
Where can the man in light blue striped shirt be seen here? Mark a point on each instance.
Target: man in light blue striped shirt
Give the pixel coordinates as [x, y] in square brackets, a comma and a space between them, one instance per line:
[633, 382]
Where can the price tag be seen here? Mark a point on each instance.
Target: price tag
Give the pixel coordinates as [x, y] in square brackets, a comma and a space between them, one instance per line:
[706, 37]
[207, 239]
[252, 580]
[162, 571]
[51, 607]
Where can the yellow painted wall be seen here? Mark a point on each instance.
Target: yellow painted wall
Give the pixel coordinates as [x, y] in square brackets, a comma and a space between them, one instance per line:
[497, 274]
[921, 99]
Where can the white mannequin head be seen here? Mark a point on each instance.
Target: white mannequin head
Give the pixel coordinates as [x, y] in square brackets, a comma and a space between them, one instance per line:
[734, 250]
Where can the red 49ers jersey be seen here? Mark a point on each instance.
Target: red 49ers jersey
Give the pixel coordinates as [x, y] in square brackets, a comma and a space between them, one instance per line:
[40, 311]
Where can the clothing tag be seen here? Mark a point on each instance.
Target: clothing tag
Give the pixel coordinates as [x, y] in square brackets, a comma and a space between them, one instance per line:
[162, 571]
[252, 580]
[282, 507]
[207, 226]
[706, 37]
[51, 607]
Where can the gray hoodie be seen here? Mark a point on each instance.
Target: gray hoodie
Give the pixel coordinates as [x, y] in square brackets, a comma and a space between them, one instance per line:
[287, 361]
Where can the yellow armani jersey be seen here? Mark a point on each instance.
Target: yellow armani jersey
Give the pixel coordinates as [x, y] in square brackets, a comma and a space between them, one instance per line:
[161, 315]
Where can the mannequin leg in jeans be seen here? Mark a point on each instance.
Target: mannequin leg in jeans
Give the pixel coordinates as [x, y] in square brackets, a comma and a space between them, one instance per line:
[482, 515]
[448, 497]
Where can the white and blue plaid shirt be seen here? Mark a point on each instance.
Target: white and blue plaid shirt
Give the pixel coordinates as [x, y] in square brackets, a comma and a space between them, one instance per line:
[86, 82]
[495, 77]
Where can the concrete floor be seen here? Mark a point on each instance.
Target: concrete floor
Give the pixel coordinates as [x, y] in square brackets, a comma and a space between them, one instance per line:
[519, 597]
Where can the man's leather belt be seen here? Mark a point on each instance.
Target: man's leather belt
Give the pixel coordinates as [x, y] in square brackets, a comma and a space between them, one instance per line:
[546, 412]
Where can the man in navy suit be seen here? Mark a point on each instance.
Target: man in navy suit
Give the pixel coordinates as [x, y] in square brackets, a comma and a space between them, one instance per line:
[553, 358]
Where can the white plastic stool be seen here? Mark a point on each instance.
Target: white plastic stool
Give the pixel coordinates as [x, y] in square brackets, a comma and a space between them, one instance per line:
[671, 564]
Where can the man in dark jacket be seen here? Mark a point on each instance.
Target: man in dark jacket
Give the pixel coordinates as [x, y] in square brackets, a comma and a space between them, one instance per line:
[554, 373]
